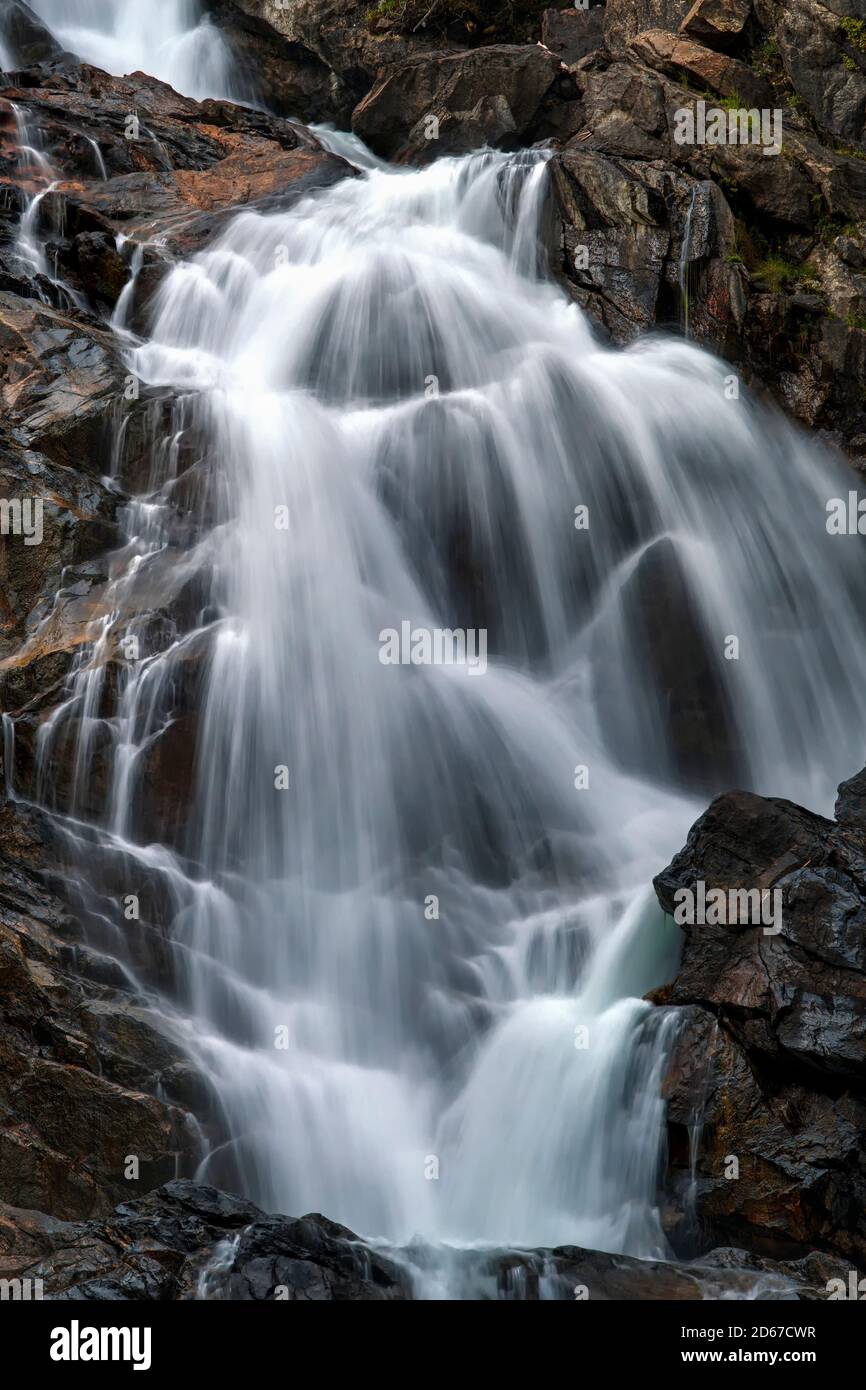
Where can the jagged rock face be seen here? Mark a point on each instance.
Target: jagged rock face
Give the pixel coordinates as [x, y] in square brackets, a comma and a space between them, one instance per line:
[80, 1057]
[624, 19]
[187, 1240]
[771, 1057]
[487, 96]
[171, 1245]
[827, 65]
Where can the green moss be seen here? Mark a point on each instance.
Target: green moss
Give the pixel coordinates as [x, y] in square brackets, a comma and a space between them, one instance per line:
[855, 31]
[848, 151]
[777, 274]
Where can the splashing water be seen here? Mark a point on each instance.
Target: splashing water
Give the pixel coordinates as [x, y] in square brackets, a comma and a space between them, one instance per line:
[409, 903]
[172, 40]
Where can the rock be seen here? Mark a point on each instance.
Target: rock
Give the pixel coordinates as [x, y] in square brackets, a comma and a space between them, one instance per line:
[680, 57]
[71, 1105]
[625, 19]
[339, 34]
[172, 1245]
[23, 35]
[571, 34]
[850, 809]
[101, 269]
[176, 181]
[450, 103]
[770, 1060]
[187, 1240]
[717, 22]
[287, 76]
[77, 521]
[827, 68]
[695, 739]
[62, 379]
[633, 220]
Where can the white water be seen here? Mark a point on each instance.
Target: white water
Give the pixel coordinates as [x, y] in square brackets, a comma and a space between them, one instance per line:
[169, 39]
[384, 361]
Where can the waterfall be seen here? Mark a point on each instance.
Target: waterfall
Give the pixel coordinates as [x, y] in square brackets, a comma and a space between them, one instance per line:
[408, 903]
[173, 40]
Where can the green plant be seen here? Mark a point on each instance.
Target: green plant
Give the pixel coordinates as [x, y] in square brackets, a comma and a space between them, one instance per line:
[855, 30]
[777, 273]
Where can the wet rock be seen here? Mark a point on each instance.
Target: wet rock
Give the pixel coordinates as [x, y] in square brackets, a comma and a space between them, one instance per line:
[74, 518]
[62, 376]
[287, 76]
[101, 269]
[623, 233]
[340, 34]
[74, 1052]
[450, 103]
[187, 1240]
[771, 1057]
[23, 35]
[694, 737]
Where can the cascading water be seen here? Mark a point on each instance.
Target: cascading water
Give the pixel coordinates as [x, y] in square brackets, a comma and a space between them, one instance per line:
[174, 41]
[382, 366]
[409, 907]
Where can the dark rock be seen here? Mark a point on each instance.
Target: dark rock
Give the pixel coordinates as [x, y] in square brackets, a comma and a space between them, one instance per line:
[450, 103]
[827, 69]
[339, 34]
[172, 1245]
[572, 34]
[24, 36]
[624, 19]
[74, 1052]
[186, 1240]
[287, 76]
[770, 1060]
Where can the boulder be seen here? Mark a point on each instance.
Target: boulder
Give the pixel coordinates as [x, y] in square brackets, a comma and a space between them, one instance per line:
[453, 102]
[24, 37]
[717, 22]
[682, 58]
[770, 1059]
[625, 19]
